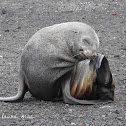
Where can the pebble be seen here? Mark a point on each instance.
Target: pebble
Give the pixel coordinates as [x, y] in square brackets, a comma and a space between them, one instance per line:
[70, 110]
[6, 30]
[1, 56]
[73, 124]
[103, 116]
[9, 63]
[87, 124]
[3, 11]
[117, 111]
[81, 124]
[19, 27]
[105, 107]
[117, 56]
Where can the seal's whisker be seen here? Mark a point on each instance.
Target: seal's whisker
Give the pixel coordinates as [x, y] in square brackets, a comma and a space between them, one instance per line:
[76, 55]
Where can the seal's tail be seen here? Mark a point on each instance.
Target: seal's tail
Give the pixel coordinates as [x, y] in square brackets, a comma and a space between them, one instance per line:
[22, 89]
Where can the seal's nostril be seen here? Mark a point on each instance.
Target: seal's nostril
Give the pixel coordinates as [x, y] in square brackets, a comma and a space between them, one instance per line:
[81, 50]
[94, 53]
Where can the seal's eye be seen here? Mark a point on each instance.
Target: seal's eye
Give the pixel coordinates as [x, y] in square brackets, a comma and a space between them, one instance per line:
[81, 50]
[86, 42]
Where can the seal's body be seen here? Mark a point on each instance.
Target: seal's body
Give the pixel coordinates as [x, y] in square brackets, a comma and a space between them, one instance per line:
[50, 57]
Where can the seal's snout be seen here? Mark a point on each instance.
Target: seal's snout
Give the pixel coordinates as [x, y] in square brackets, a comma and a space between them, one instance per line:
[94, 53]
[88, 54]
[84, 52]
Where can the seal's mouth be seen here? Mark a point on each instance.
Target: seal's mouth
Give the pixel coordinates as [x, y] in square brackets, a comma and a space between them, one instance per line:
[85, 55]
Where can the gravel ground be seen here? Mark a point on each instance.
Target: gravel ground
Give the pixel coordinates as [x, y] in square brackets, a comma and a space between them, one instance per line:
[20, 19]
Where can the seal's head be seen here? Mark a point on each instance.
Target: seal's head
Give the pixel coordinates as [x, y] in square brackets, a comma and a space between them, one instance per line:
[88, 43]
[89, 48]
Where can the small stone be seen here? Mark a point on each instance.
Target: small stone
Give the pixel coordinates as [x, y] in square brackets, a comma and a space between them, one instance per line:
[6, 30]
[9, 63]
[70, 110]
[64, 118]
[73, 124]
[67, 105]
[87, 124]
[103, 116]
[117, 111]
[81, 124]
[114, 14]
[120, 118]
[3, 11]
[19, 27]
[1, 56]
[105, 107]
[117, 56]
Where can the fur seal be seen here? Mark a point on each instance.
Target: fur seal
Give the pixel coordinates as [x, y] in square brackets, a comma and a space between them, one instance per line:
[90, 82]
[49, 57]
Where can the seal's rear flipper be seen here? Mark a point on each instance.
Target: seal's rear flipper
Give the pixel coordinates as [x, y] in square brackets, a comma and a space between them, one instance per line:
[22, 89]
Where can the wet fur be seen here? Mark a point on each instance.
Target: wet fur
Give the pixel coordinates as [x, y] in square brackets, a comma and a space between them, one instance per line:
[103, 86]
[96, 82]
